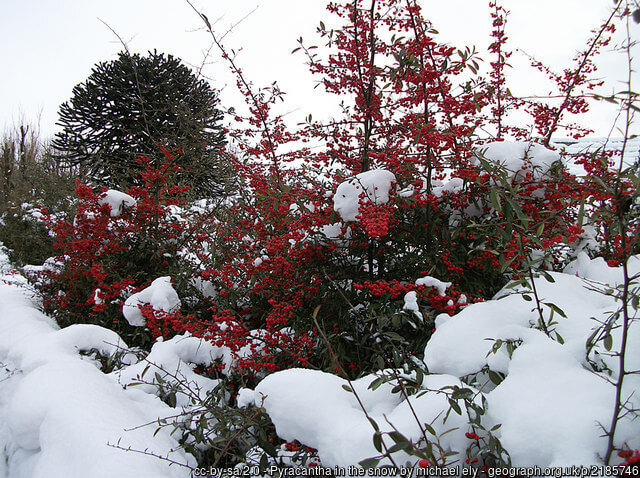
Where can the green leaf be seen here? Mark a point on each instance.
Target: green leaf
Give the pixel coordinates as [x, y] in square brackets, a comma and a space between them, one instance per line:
[374, 424]
[397, 437]
[429, 429]
[591, 340]
[395, 336]
[608, 342]
[171, 400]
[264, 461]
[506, 264]
[495, 377]
[400, 446]
[461, 393]
[556, 309]
[548, 276]
[347, 388]
[146, 369]
[454, 405]
[601, 183]
[377, 441]
[517, 210]
[444, 433]
[495, 201]
[369, 462]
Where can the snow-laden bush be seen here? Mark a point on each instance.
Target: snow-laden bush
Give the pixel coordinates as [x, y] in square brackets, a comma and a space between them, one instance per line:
[347, 306]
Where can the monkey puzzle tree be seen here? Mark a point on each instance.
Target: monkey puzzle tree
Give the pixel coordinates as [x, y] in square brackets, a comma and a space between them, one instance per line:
[135, 106]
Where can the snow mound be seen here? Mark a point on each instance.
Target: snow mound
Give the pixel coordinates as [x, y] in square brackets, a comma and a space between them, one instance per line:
[374, 185]
[172, 361]
[452, 186]
[520, 157]
[598, 270]
[437, 284]
[160, 295]
[550, 403]
[117, 201]
[313, 407]
[411, 303]
[559, 407]
[59, 413]
[63, 416]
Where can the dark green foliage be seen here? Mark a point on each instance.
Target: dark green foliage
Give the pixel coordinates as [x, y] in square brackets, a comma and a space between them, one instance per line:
[27, 241]
[29, 181]
[136, 105]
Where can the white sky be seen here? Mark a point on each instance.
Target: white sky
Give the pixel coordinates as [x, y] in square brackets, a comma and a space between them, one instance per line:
[50, 46]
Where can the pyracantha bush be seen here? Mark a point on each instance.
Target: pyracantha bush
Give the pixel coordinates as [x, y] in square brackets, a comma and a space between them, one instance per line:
[285, 248]
[117, 244]
[343, 260]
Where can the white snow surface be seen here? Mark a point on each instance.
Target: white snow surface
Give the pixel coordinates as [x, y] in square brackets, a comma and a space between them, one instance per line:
[117, 201]
[314, 408]
[452, 186]
[550, 405]
[59, 413]
[520, 157]
[175, 358]
[160, 295]
[411, 303]
[437, 284]
[374, 186]
[590, 145]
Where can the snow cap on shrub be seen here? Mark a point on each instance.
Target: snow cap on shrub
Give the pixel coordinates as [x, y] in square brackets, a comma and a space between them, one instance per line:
[160, 295]
[429, 281]
[375, 184]
[519, 157]
[117, 201]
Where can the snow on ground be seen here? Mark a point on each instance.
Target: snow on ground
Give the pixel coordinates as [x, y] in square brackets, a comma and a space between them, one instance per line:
[172, 358]
[59, 414]
[314, 408]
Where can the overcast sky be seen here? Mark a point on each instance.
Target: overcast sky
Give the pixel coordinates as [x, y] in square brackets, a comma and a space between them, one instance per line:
[50, 46]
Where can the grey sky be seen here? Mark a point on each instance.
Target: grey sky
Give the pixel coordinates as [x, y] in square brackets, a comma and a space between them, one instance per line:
[48, 47]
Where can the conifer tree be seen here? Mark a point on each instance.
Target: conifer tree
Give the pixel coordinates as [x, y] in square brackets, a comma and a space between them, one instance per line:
[135, 106]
